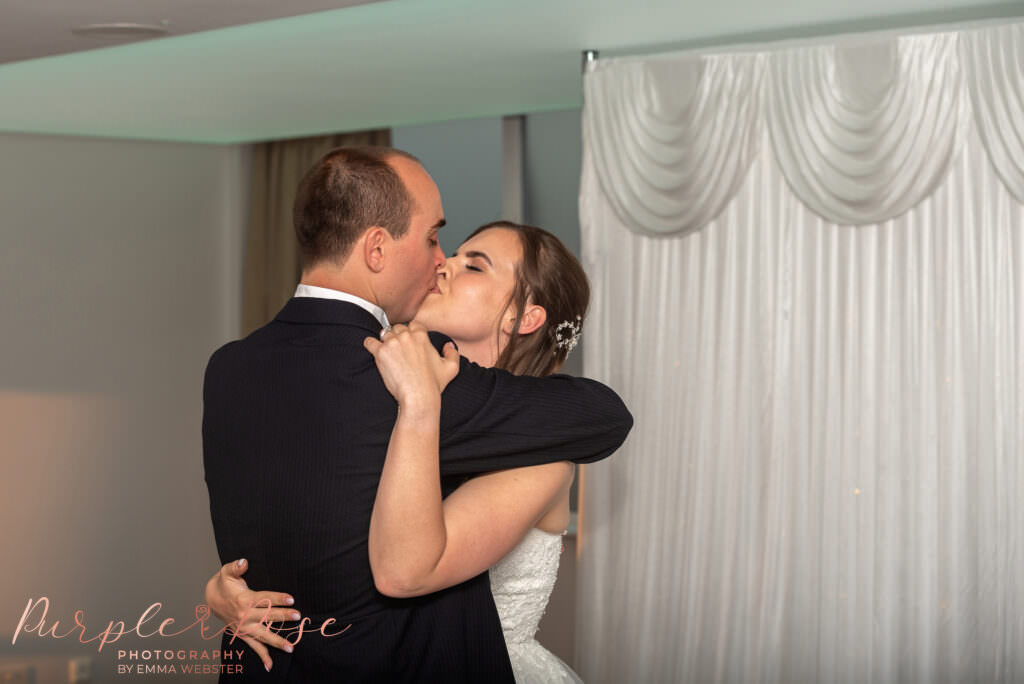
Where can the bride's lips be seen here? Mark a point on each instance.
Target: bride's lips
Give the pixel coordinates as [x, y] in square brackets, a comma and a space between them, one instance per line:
[437, 287]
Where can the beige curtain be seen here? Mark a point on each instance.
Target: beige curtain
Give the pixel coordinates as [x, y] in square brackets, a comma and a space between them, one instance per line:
[272, 261]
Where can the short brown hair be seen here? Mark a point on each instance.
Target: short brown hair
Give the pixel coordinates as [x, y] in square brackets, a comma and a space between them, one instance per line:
[346, 192]
[550, 276]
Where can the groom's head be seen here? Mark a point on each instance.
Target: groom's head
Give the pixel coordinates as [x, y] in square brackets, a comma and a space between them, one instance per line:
[367, 219]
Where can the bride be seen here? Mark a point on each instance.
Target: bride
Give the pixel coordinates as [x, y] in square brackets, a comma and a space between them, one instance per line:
[512, 297]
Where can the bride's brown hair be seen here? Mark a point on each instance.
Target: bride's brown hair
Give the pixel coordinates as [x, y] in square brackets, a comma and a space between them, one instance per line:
[549, 276]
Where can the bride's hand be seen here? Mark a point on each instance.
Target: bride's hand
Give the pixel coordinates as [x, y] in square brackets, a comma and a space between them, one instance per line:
[248, 613]
[412, 369]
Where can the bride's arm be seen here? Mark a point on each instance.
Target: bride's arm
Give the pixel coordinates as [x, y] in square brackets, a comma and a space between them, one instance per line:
[478, 525]
[419, 544]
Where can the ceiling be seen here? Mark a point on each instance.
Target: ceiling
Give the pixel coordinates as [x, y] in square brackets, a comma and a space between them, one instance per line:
[236, 71]
[40, 28]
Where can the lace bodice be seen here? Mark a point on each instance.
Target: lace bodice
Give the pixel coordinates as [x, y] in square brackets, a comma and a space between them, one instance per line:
[522, 582]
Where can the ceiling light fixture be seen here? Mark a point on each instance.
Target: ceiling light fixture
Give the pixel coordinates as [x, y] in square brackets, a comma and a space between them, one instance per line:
[121, 29]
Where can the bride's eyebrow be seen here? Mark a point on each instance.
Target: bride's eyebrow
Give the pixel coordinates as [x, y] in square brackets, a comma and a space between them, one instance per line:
[481, 255]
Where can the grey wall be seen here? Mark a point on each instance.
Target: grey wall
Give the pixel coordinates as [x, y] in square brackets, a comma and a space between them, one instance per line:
[552, 157]
[465, 160]
[120, 266]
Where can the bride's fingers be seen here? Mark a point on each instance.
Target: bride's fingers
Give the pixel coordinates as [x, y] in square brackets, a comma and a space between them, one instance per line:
[388, 334]
[409, 364]
[235, 569]
[260, 632]
[260, 650]
[272, 598]
[271, 638]
[255, 617]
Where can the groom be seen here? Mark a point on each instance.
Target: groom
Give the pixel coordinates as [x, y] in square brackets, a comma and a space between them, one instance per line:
[296, 423]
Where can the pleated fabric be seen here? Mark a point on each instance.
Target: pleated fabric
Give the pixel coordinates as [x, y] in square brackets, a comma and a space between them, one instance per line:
[862, 130]
[824, 480]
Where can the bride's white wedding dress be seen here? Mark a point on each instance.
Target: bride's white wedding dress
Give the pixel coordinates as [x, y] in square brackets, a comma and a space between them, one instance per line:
[521, 583]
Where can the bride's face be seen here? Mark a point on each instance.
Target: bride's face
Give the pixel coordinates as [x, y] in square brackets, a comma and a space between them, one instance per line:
[473, 290]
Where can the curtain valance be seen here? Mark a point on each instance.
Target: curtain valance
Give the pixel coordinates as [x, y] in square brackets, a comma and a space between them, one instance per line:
[862, 131]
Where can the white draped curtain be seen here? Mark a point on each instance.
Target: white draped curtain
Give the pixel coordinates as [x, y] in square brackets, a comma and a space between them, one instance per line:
[808, 270]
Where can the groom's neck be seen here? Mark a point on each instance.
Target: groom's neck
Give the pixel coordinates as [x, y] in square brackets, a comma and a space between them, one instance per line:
[341, 279]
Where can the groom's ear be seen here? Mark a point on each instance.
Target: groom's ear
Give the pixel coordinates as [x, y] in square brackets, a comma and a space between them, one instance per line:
[533, 318]
[374, 242]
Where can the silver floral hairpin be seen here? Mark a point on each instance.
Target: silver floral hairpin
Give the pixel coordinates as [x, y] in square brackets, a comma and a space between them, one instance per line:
[567, 334]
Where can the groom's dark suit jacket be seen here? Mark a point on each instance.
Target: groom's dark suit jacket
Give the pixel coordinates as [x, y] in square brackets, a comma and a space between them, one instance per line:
[296, 423]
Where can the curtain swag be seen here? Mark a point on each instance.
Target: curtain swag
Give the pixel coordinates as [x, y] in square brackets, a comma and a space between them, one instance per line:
[862, 131]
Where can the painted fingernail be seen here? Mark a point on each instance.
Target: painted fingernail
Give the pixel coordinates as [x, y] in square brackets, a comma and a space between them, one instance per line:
[289, 648]
[267, 667]
[241, 562]
[295, 615]
[289, 601]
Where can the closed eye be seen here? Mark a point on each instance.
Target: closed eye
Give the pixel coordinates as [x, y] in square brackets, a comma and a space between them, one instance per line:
[474, 268]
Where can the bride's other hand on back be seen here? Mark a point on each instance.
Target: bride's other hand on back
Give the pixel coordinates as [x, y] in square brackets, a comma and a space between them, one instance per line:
[248, 613]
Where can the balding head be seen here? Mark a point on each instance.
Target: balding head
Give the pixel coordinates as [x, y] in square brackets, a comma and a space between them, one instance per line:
[347, 191]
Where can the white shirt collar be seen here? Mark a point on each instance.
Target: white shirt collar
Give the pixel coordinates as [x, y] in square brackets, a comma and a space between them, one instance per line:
[326, 293]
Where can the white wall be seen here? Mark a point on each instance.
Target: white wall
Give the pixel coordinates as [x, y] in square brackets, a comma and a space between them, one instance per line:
[121, 273]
